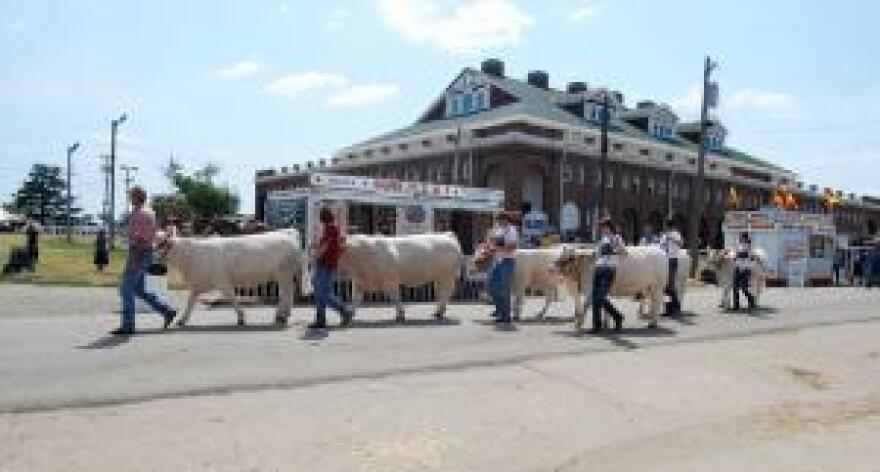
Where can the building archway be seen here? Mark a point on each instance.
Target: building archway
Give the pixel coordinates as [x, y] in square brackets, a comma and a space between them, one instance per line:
[872, 227]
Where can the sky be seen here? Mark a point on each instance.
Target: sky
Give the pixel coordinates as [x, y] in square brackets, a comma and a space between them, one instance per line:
[251, 84]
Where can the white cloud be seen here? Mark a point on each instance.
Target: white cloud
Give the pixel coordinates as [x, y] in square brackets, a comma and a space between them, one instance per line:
[337, 90]
[285, 8]
[470, 25]
[359, 95]
[295, 84]
[584, 12]
[240, 69]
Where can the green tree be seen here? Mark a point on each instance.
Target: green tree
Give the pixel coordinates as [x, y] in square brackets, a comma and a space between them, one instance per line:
[42, 196]
[172, 205]
[197, 197]
[204, 198]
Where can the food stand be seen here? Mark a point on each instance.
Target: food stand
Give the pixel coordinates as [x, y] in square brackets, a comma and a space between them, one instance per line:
[384, 206]
[800, 246]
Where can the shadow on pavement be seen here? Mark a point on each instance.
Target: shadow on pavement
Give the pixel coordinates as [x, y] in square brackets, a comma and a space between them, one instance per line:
[545, 321]
[108, 341]
[228, 328]
[417, 323]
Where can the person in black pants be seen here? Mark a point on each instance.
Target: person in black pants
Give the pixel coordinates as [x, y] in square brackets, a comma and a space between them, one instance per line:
[672, 243]
[743, 272]
[609, 250]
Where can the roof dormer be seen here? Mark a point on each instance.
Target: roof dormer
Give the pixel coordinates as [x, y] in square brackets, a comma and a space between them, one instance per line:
[716, 133]
[658, 120]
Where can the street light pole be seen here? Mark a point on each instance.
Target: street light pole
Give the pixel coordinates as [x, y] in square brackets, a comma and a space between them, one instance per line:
[70, 150]
[697, 198]
[114, 125]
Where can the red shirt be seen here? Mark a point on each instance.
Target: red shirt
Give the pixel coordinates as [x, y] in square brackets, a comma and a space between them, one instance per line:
[332, 244]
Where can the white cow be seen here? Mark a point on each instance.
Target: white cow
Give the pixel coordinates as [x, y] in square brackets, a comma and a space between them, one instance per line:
[534, 269]
[724, 264]
[681, 276]
[642, 270]
[384, 263]
[223, 263]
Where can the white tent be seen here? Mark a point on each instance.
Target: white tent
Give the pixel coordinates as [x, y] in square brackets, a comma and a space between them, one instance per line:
[6, 217]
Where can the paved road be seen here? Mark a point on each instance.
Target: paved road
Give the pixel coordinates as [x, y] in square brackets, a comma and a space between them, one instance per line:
[54, 359]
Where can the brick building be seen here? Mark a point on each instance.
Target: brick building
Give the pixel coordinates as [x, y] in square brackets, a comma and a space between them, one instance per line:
[542, 146]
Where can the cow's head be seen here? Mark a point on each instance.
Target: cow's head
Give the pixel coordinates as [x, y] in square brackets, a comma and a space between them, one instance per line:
[574, 263]
[166, 243]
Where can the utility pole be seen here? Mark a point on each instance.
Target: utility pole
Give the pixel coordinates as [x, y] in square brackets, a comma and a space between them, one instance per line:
[128, 180]
[114, 125]
[70, 150]
[709, 94]
[603, 160]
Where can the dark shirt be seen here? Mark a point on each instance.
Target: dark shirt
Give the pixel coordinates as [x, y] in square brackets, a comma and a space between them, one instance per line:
[332, 244]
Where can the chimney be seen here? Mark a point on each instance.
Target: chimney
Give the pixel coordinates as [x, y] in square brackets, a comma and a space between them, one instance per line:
[493, 67]
[539, 78]
[576, 87]
[646, 104]
[296, 168]
[322, 163]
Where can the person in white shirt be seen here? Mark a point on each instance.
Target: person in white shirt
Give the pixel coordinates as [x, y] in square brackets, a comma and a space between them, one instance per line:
[610, 248]
[672, 242]
[503, 239]
[743, 272]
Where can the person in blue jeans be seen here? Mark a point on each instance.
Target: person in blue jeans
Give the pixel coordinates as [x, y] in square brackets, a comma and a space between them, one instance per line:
[610, 248]
[327, 256]
[503, 241]
[141, 235]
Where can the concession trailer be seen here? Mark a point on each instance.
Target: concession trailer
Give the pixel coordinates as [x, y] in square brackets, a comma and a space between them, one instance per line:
[383, 206]
[799, 246]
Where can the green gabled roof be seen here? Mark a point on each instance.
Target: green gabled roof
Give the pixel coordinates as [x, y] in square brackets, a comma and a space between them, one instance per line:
[740, 156]
[545, 104]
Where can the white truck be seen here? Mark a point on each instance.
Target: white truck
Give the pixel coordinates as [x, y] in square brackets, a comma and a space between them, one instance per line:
[799, 246]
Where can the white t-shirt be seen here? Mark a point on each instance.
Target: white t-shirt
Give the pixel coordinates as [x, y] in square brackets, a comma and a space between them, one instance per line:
[508, 235]
[744, 262]
[672, 243]
[615, 242]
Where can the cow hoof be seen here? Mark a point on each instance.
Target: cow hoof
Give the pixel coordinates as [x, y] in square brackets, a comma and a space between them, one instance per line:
[653, 325]
[281, 320]
[180, 324]
[240, 323]
[400, 318]
[439, 316]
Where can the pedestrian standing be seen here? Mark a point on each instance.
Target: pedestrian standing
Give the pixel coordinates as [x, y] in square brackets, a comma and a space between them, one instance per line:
[743, 272]
[672, 242]
[102, 254]
[837, 266]
[503, 241]
[32, 243]
[141, 236]
[611, 247]
[326, 259]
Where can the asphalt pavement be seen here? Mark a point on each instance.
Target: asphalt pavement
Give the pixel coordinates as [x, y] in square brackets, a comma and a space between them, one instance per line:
[56, 355]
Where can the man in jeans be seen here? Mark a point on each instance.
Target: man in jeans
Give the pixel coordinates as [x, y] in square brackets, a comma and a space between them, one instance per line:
[141, 235]
[503, 240]
[326, 259]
